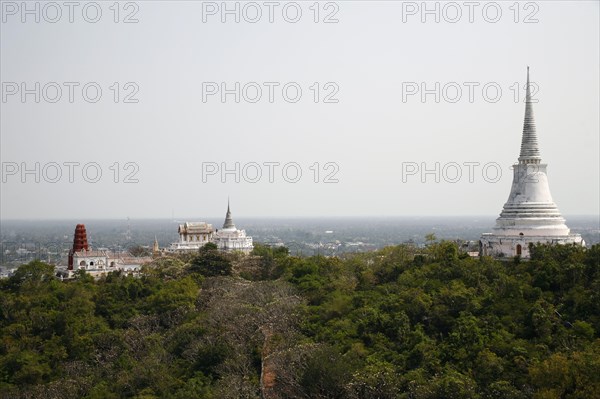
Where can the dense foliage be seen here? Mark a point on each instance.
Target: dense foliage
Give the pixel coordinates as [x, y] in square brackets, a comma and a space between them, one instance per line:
[402, 322]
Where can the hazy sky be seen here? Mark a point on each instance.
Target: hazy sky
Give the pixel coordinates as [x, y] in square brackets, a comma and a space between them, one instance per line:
[369, 124]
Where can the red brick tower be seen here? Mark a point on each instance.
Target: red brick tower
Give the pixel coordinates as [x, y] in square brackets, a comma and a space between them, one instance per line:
[79, 243]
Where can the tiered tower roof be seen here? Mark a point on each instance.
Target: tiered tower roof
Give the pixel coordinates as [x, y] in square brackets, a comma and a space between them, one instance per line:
[80, 243]
[228, 219]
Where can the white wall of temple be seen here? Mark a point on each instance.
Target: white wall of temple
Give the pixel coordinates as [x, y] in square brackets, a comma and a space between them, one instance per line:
[509, 246]
[186, 246]
[242, 241]
[185, 238]
[90, 262]
[233, 240]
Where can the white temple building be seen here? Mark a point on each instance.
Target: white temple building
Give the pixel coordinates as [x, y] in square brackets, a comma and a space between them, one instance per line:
[192, 237]
[98, 263]
[229, 238]
[530, 215]
[91, 260]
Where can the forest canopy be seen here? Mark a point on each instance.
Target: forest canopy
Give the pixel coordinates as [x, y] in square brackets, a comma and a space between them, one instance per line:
[401, 322]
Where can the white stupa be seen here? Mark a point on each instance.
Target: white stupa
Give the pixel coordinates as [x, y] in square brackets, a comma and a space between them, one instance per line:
[229, 238]
[530, 215]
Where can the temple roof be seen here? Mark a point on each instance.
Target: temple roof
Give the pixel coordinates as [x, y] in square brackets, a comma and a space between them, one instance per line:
[195, 228]
[228, 219]
[89, 253]
[530, 152]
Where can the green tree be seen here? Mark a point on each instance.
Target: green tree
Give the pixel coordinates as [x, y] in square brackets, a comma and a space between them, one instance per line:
[211, 262]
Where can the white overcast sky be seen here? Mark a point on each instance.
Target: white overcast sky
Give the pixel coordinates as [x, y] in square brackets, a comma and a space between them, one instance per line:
[370, 55]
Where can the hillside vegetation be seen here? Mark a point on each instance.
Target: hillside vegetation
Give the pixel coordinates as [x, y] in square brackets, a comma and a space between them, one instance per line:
[401, 322]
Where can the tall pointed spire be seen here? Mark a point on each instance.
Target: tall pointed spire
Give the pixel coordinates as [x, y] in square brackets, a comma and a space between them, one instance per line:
[530, 152]
[529, 215]
[228, 219]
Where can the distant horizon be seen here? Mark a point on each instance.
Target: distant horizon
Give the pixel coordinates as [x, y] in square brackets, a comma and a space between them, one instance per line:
[270, 217]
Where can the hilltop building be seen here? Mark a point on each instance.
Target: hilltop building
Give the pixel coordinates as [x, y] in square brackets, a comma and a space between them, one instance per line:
[530, 215]
[98, 262]
[194, 235]
[81, 256]
[229, 238]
